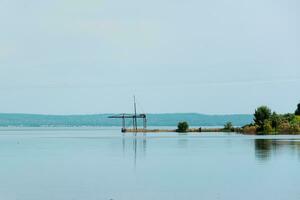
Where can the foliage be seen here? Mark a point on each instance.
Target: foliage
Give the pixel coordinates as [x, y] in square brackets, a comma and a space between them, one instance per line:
[288, 117]
[266, 122]
[250, 129]
[297, 112]
[295, 128]
[295, 125]
[182, 127]
[297, 119]
[261, 114]
[228, 127]
[267, 127]
[275, 120]
[284, 127]
[289, 128]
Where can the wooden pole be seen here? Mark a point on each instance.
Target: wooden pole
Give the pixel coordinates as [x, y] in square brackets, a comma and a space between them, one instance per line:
[123, 121]
[135, 119]
[145, 122]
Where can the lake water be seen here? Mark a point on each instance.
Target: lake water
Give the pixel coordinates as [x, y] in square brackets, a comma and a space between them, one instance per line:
[103, 164]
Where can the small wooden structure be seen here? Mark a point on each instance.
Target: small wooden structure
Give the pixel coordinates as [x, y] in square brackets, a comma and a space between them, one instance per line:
[134, 118]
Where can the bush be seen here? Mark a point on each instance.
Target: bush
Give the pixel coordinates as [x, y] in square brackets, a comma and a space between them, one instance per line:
[288, 117]
[284, 127]
[275, 120]
[228, 127]
[261, 114]
[267, 127]
[297, 119]
[295, 128]
[182, 127]
[295, 125]
[297, 112]
[250, 129]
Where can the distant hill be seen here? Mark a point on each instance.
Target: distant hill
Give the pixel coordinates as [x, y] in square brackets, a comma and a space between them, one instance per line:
[194, 119]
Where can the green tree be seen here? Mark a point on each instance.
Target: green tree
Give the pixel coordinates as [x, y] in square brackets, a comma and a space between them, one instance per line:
[182, 127]
[261, 114]
[228, 127]
[267, 127]
[297, 112]
[275, 120]
[288, 117]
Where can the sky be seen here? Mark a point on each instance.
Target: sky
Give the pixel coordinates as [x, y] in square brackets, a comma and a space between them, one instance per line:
[200, 56]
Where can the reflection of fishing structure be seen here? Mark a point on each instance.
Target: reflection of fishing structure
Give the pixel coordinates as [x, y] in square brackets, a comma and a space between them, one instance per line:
[137, 145]
[134, 117]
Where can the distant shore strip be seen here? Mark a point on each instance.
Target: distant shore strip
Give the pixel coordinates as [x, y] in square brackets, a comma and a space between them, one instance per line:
[190, 130]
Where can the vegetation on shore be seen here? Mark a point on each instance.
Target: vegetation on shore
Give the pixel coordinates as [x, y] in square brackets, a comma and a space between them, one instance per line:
[228, 127]
[264, 122]
[182, 127]
[268, 122]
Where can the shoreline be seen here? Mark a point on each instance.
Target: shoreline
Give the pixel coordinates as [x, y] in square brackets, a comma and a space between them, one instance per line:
[190, 130]
[201, 130]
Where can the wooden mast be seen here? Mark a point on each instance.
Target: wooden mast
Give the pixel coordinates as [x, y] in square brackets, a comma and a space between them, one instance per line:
[135, 117]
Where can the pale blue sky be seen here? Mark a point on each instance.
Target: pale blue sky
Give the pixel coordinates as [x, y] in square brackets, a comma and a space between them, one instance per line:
[213, 56]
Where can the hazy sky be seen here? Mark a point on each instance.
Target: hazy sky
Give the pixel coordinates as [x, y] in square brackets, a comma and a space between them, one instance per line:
[91, 56]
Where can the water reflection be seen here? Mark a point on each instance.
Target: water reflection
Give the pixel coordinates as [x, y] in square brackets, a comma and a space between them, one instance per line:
[182, 143]
[266, 148]
[134, 146]
[263, 148]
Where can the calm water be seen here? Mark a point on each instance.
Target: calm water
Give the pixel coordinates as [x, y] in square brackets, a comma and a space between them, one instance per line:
[96, 164]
